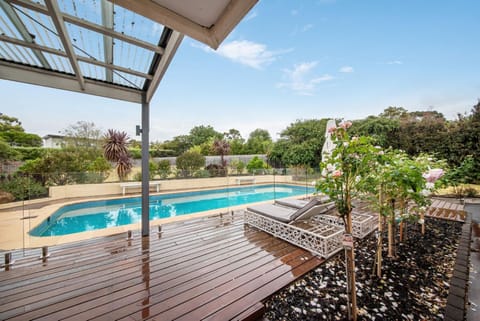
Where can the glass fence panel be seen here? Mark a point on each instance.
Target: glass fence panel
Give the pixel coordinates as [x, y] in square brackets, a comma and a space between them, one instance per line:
[32, 203]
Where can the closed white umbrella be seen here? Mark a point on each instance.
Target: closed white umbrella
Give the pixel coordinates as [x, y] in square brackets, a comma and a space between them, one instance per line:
[329, 145]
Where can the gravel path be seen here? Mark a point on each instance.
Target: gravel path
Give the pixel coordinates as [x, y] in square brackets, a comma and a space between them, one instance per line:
[413, 287]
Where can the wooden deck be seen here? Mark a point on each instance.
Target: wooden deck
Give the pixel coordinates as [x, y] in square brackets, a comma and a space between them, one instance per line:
[446, 209]
[205, 269]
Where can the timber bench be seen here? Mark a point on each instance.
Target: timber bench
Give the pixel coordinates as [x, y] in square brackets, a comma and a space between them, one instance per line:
[131, 185]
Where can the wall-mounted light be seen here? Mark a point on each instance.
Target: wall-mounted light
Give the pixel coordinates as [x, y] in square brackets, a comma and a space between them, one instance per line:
[138, 130]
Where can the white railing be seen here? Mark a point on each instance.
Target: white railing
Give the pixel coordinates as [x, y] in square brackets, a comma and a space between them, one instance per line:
[362, 224]
[323, 243]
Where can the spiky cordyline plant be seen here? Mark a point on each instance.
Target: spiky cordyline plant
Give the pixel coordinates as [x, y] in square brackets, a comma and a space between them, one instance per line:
[115, 150]
[124, 166]
[115, 145]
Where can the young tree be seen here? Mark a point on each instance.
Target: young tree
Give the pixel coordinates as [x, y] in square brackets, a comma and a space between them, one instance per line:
[222, 148]
[83, 135]
[343, 174]
[236, 141]
[399, 187]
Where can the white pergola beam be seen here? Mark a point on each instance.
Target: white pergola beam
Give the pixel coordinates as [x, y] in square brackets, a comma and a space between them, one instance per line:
[107, 21]
[172, 46]
[211, 36]
[168, 18]
[42, 77]
[91, 26]
[59, 24]
[231, 16]
[20, 26]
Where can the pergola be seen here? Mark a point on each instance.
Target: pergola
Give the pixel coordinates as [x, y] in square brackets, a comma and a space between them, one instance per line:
[118, 49]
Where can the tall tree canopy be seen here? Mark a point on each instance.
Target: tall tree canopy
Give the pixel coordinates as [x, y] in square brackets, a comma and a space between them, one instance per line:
[259, 142]
[83, 134]
[300, 144]
[12, 133]
[203, 134]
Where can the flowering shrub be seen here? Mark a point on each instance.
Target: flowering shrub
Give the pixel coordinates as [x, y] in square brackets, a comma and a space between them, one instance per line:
[343, 170]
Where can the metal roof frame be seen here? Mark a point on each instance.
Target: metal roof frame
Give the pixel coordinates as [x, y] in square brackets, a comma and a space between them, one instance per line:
[37, 46]
[176, 25]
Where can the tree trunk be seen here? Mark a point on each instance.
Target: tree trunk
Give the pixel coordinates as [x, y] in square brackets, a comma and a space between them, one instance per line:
[401, 231]
[380, 237]
[391, 232]
[350, 258]
[422, 217]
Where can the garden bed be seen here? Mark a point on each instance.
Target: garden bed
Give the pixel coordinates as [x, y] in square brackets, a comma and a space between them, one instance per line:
[413, 287]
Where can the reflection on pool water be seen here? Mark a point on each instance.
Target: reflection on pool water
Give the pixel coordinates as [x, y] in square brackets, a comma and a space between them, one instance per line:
[96, 215]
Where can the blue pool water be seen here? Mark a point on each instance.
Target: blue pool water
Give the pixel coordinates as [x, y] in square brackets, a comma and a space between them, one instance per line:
[96, 215]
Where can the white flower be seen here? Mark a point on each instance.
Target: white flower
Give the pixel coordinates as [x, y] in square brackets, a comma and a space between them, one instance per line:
[430, 185]
[345, 144]
[421, 221]
[324, 172]
[330, 168]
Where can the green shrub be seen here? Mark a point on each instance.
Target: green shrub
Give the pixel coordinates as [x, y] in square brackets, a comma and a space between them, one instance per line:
[135, 153]
[163, 168]
[27, 153]
[162, 153]
[237, 165]
[190, 162]
[202, 173]
[23, 188]
[216, 170]
[137, 177]
[256, 165]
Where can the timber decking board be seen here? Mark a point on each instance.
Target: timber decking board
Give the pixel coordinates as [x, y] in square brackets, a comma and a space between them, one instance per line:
[443, 209]
[214, 267]
[58, 259]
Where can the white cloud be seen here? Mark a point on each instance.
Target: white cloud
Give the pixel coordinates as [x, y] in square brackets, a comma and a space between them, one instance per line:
[307, 27]
[255, 55]
[300, 80]
[294, 12]
[395, 62]
[346, 69]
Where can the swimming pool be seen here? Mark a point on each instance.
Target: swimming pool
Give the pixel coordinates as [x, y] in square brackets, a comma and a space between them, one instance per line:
[96, 215]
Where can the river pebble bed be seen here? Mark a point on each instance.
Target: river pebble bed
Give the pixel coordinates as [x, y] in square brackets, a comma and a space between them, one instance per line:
[413, 286]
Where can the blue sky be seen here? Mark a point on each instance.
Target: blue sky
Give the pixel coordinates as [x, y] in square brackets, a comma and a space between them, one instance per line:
[290, 60]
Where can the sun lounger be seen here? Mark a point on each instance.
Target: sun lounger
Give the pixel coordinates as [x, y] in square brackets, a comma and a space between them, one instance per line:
[296, 203]
[278, 220]
[287, 214]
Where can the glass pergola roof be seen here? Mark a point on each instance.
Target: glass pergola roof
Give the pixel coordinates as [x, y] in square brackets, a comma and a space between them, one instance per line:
[112, 48]
[118, 49]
